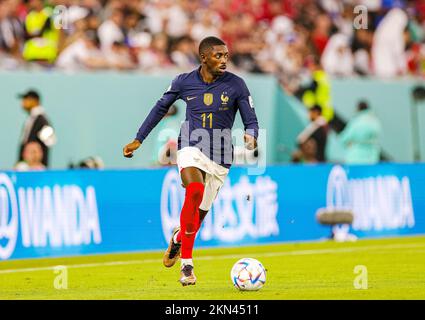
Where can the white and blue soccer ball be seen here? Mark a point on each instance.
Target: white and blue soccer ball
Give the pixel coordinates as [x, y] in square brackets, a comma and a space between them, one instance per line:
[248, 275]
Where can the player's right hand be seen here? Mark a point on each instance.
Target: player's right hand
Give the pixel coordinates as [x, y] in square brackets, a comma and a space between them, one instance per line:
[130, 148]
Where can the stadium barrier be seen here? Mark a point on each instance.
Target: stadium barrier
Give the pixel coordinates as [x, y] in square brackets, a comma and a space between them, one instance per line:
[98, 113]
[65, 213]
[392, 101]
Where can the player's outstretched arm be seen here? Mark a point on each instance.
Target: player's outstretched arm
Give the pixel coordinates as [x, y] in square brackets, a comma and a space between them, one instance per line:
[130, 148]
[155, 115]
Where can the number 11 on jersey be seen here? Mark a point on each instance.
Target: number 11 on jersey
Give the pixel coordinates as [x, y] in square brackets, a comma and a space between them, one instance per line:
[204, 117]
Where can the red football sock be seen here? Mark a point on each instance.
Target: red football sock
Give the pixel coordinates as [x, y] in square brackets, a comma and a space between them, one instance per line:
[178, 237]
[189, 218]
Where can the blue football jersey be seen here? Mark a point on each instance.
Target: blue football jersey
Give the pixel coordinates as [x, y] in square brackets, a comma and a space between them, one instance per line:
[210, 113]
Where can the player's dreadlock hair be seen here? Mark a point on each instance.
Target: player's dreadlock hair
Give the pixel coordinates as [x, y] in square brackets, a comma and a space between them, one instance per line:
[209, 42]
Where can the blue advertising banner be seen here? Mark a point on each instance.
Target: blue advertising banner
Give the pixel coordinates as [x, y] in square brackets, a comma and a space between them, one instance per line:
[60, 213]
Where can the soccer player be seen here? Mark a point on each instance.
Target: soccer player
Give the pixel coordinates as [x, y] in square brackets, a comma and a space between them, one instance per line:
[205, 151]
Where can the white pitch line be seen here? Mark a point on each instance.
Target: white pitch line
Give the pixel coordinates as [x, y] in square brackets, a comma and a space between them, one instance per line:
[227, 256]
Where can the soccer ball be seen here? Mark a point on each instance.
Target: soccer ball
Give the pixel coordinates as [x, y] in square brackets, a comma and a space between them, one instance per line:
[248, 275]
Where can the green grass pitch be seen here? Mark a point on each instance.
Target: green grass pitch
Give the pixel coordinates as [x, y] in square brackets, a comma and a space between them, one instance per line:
[317, 270]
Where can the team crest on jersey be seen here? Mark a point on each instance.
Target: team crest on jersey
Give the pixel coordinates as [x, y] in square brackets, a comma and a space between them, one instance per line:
[208, 99]
[224, 98]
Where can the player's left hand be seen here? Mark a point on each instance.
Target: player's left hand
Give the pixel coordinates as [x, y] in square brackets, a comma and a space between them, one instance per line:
[250, 142]
[130, 148]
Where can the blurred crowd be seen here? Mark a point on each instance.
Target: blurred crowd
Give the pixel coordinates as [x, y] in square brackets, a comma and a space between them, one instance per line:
[281, 37]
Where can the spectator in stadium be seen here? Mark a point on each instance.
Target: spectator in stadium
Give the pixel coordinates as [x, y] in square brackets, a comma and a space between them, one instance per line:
[37, 127]
[361, 137]
[207, 24]
[361, 47]
[94, 7]
[321, 32]
[243, 47]
[32, 156]
[184, 54]
[262, 51]
[343, 20]
[11, 36]
[137, 36]
[133, 27]
[371, 5]
[318, 90]
[93, 22]
[332, 7]
[291, 72]
[42, 36]
[77, 26]
[281, 28]
[111, 31]
[221, 8]
[119, 58]
[178, 17]
[306, 152]
[83, 54]
[228, 30]
[156, 56]
[416, 59]
[337, 59]
[155, 13]
[389, 44]
[169, 17]
[316, 131]
[295, 30]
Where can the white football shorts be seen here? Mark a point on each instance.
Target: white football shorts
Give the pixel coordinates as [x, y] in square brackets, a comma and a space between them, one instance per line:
[215, 174]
